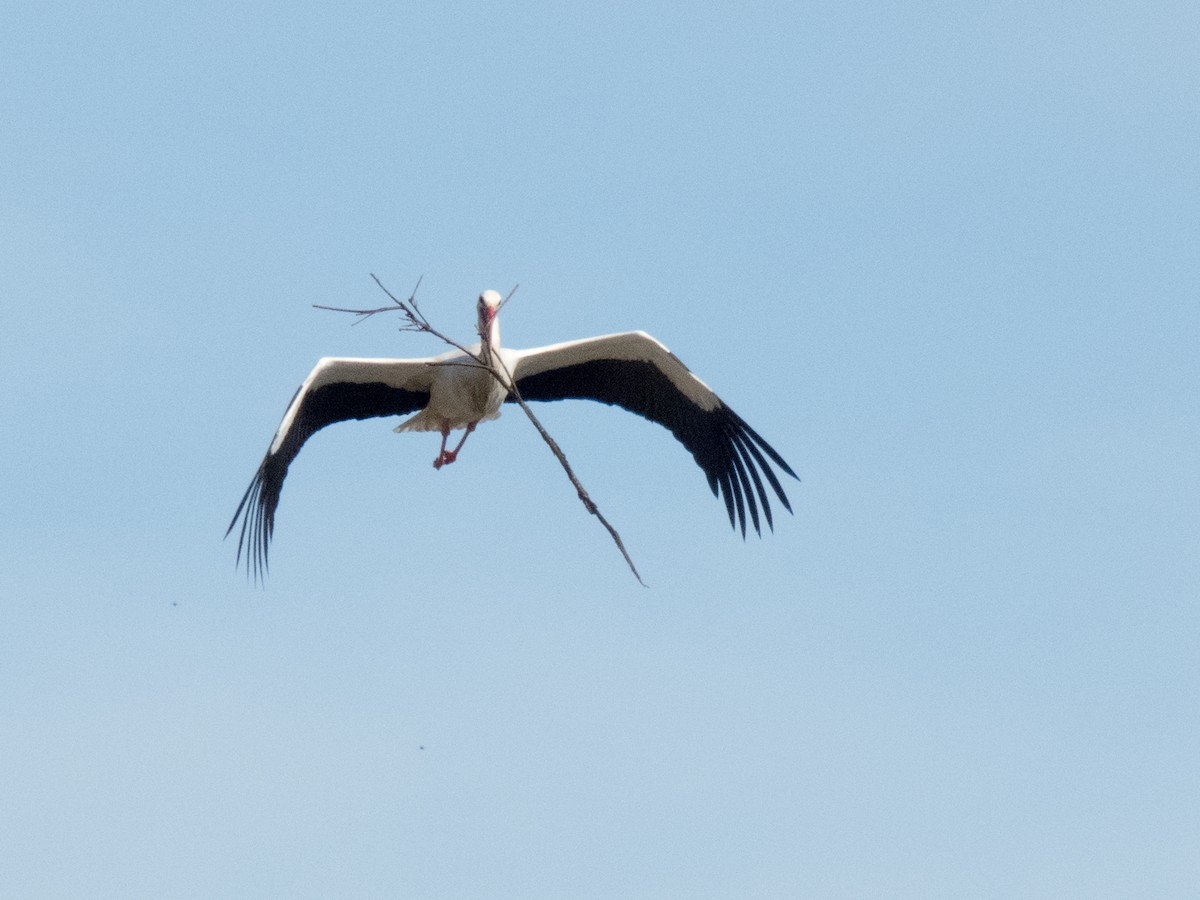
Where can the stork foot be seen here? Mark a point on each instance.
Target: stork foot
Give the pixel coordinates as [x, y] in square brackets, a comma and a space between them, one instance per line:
[445, 458]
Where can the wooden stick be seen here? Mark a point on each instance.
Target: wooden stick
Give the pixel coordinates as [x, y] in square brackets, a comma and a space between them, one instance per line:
[416, 321]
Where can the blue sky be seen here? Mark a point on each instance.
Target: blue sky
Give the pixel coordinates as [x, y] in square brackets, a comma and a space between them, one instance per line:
[942, 256]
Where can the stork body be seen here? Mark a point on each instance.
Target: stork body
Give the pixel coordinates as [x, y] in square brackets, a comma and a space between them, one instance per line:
[463, 393]
[452, 391]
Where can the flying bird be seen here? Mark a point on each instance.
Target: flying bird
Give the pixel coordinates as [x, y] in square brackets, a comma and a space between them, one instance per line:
[453, 391]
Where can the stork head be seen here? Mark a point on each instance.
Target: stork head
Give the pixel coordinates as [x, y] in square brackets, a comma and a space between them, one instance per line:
[489, 305]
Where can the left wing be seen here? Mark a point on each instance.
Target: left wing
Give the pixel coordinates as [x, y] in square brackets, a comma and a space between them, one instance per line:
[637, 373]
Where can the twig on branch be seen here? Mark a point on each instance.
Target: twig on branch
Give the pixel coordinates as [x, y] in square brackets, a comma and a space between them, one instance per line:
[416, 321]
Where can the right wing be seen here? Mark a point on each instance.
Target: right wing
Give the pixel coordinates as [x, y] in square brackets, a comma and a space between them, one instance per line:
[335, 390]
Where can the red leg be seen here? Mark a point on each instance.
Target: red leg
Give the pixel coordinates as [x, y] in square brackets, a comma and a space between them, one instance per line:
[452, 455]
[441, 457]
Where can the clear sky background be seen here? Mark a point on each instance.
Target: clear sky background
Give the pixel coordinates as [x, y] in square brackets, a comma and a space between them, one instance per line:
[942, 256]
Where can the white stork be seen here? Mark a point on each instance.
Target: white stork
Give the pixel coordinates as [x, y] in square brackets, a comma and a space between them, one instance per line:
[451, 391]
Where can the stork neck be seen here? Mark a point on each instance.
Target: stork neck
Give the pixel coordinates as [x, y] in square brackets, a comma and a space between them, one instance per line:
[491, 339]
